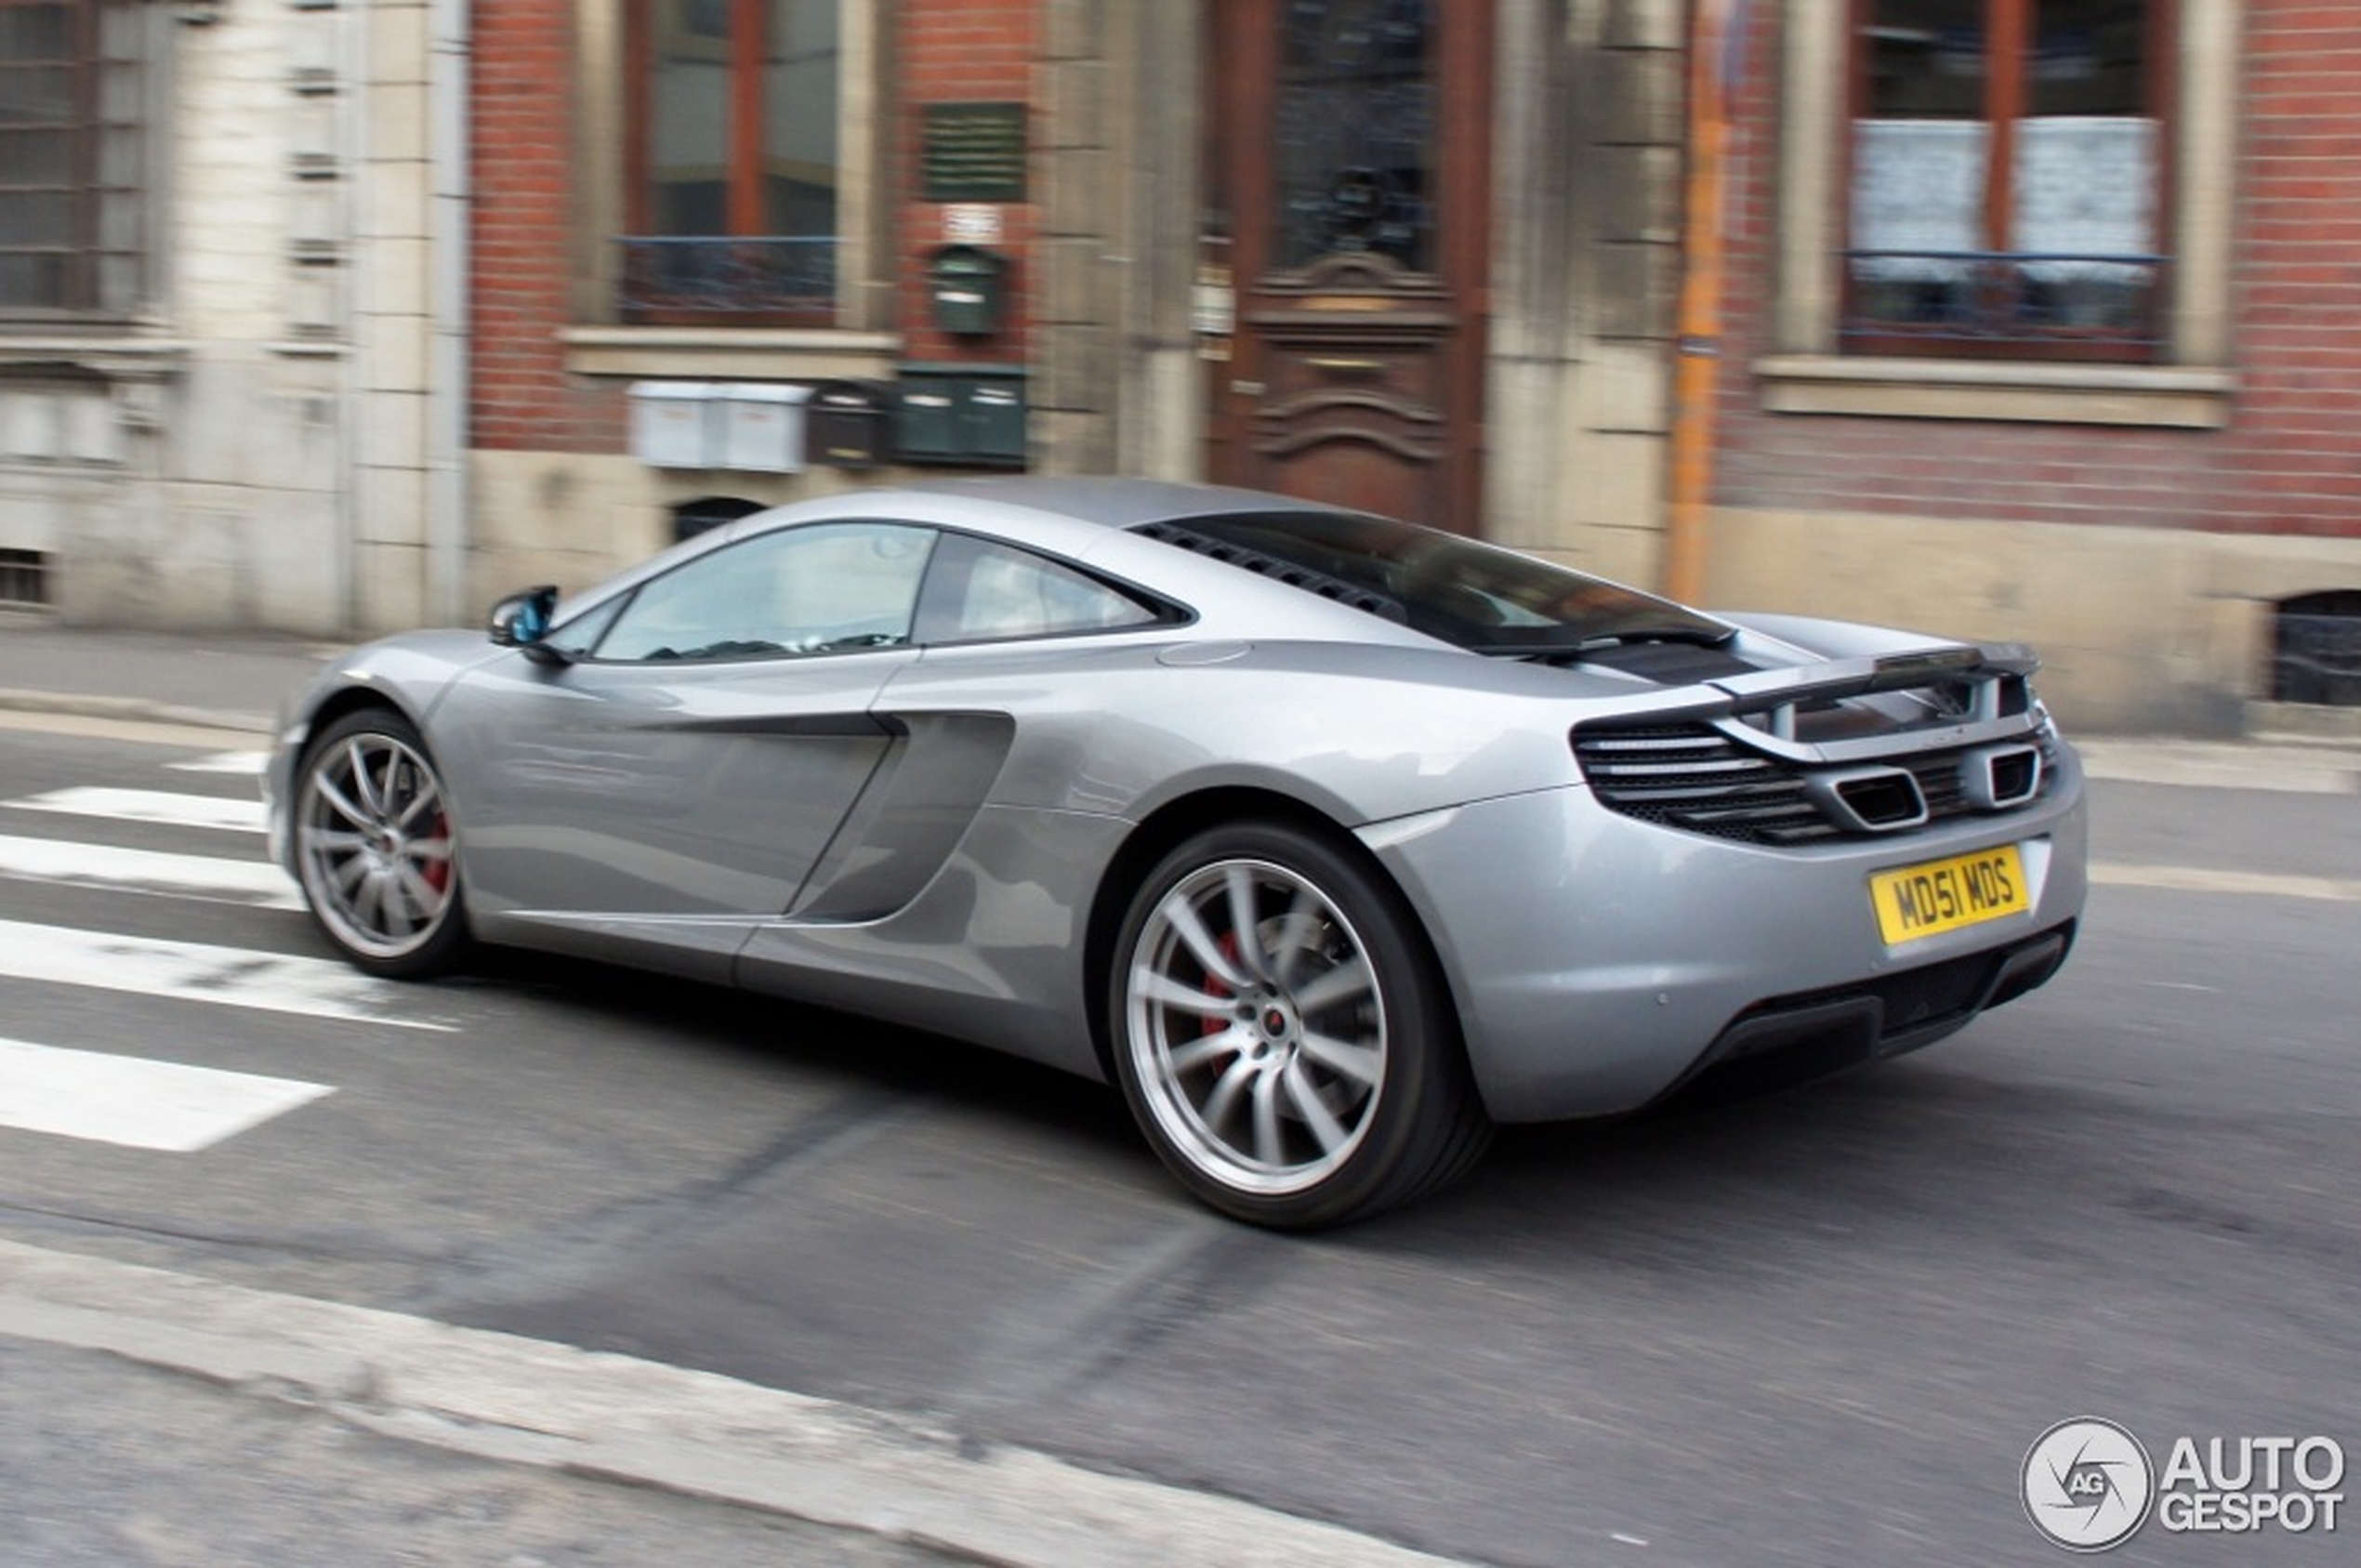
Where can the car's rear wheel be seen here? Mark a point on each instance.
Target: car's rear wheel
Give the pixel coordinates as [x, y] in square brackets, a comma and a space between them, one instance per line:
[375, 847]
[1283, 1033]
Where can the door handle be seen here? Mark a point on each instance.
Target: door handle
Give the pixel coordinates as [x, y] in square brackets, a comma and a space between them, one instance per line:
[1348, 367]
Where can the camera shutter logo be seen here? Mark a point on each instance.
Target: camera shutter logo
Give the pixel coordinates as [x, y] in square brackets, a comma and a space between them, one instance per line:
[2088, 1484]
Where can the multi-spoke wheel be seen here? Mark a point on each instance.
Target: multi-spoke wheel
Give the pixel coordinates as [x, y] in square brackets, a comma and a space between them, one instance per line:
[374, 846]
[1282, 1034]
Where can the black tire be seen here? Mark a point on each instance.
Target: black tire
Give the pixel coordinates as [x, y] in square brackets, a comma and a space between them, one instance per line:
[1283, 1032]
[375, 847]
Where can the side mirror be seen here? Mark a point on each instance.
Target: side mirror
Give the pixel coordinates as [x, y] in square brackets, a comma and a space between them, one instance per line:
[521, 620]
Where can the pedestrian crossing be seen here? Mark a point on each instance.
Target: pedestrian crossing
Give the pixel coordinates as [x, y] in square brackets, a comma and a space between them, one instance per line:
[166, 808]
[137, 1103]
[206, 807]
[156, 871]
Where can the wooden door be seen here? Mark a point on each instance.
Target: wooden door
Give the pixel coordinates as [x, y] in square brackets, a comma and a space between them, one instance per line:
[1341, 267]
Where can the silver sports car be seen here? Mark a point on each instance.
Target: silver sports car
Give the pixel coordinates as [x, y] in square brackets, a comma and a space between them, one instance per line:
[1332, 839]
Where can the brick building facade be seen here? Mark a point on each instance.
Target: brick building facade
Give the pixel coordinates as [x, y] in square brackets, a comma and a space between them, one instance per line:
[2144, 518]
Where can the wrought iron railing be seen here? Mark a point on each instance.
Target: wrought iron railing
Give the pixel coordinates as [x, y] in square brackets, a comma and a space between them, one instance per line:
[2104, 303]
[728, 276]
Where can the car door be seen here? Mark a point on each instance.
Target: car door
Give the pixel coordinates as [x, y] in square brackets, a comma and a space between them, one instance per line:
[676, 783]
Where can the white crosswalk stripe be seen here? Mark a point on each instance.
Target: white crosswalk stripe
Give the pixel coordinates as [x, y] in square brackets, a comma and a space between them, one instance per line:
[247, 763]
[147, 871]
[141, 1104]
[195, 971]
[150, 806]
[71, 1090]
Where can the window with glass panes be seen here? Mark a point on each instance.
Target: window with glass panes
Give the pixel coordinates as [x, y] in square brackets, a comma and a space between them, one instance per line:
[71, 195]
[2007, 179]
[733, 160]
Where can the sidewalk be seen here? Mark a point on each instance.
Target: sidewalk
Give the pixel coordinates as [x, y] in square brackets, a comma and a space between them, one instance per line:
[233, 681]
[224, 681]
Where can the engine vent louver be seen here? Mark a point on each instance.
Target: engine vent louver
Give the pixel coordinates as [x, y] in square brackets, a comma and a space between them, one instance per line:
[1694, 778]
[1262, 566]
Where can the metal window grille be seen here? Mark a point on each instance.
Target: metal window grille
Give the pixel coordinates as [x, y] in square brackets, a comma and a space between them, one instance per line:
[2317, 652]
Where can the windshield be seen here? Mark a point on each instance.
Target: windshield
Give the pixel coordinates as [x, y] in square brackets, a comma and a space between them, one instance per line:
[1473, 595]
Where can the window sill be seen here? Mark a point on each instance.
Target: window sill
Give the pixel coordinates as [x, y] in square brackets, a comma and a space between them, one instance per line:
[115, 359]
[2171, 396]
[729, 353]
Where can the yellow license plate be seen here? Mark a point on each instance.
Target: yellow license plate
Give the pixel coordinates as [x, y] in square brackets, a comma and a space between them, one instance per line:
[1935, 896]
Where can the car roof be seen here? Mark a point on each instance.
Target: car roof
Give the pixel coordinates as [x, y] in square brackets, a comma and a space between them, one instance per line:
[1110, 501]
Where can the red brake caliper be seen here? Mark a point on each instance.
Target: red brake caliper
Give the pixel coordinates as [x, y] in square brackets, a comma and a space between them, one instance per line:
[1213, 984]
[438, 870]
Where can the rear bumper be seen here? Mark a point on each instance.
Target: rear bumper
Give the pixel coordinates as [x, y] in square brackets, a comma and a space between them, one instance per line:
[1794, 1039]
[1600, 964]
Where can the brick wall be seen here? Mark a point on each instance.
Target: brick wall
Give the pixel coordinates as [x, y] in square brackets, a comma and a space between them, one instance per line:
[2288, 463]
[952, 51]
[525, 240]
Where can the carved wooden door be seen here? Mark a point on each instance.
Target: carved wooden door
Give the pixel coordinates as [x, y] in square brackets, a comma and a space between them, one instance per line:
[1341, 270]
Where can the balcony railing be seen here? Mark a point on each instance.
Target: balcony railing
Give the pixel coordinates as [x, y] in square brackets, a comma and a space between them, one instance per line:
[675, 278]
[2105, 305]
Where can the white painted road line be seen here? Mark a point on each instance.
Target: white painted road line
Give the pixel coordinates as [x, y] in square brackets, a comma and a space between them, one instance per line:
[150, 806]
[248, 763]
[2202, 879]
[138, 1103]
[195, 972]
[252, 882]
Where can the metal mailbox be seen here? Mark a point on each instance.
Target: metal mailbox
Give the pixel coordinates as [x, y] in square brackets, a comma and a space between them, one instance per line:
[671, 424]
[762, 427]
[850, 423]
[970, 287]
[968, 415]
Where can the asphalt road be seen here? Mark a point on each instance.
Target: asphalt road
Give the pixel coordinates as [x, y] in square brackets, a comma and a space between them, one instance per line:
[1819, 1329]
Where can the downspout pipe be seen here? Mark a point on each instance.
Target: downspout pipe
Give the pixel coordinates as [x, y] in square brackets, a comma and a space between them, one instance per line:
[1717, 38]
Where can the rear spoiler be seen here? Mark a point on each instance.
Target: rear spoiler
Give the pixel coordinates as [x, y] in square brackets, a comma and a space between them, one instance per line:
[1975, 692]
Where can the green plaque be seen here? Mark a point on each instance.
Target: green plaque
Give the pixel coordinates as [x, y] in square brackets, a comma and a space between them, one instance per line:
[973, 153]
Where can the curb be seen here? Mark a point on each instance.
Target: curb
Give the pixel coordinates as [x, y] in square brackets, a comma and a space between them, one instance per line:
[506, 1398]
[133, 710]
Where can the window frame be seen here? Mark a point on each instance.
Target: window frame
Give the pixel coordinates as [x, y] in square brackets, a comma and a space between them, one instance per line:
[106, 276]
[600, 341]
[744, 73]
[2006, 104]
[2188, 383]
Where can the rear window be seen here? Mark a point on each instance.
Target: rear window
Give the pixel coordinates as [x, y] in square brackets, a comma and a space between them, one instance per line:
[1473, 595]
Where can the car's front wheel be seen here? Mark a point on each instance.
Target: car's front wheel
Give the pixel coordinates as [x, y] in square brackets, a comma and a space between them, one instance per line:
[375, 847]
[1283, 1035]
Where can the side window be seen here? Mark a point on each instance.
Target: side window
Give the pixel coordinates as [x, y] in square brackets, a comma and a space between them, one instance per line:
[822, 589]
[982, 592]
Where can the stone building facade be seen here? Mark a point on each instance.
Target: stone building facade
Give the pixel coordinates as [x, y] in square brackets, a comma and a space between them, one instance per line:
[224, 272]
